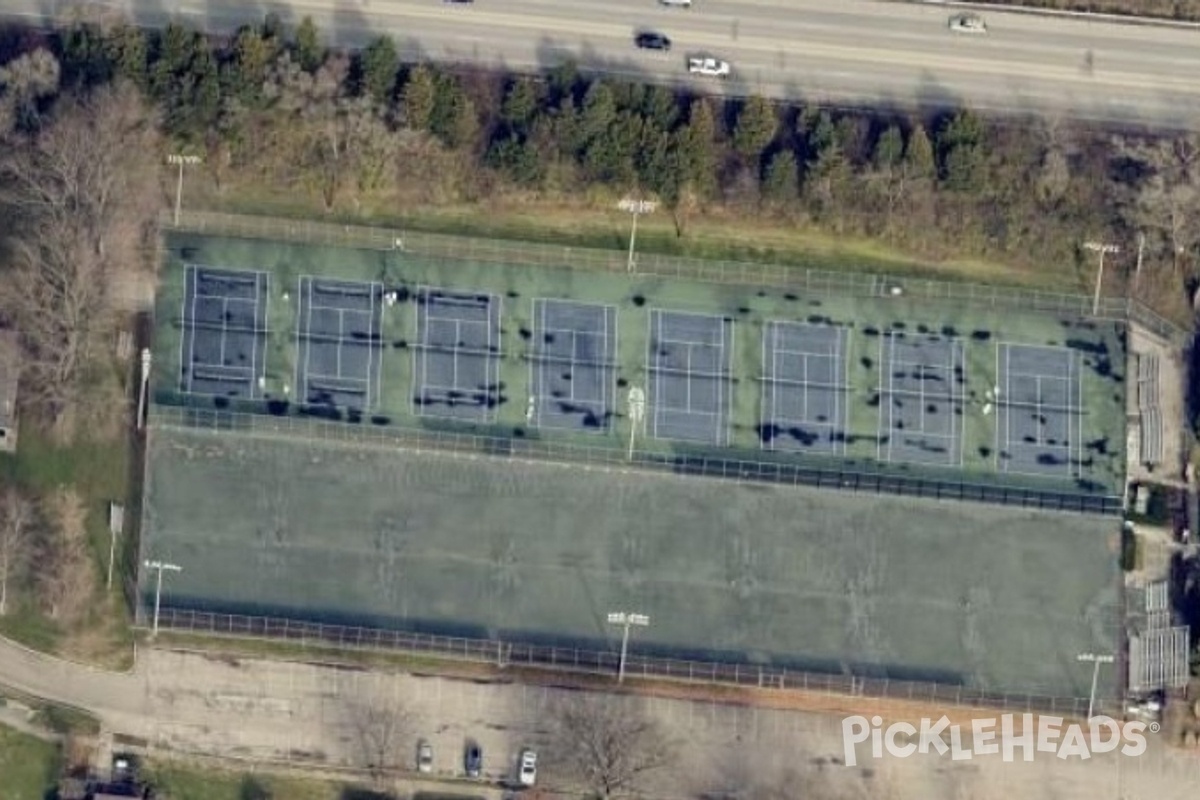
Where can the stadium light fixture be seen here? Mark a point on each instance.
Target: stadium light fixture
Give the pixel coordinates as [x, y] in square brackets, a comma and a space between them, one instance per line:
[626, 620]
[1096, 660]
[636, 208]
[181, 161]
[1103, 249]
[162, 567]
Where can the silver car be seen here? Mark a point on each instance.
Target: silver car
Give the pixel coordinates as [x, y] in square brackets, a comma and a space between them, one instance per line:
[424, 756]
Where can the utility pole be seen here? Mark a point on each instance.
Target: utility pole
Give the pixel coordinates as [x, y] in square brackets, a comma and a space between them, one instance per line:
[1096, 660]
[1102, 249]
[162, 567]
[626, 620]
[181, 161]
[635, 207]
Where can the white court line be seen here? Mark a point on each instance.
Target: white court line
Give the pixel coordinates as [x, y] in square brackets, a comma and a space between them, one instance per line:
[422, 335]
[190, 323]
[254, 342]
[891, 395]
[301, 342]
[770, 371]
[723, 401]
[377, 289]
[308, 337]
[845, 345]
[881, 432]
[492, 365]
[611, 351]
[538, 323]
[961, 406]
[1008, 408]
[652, 369]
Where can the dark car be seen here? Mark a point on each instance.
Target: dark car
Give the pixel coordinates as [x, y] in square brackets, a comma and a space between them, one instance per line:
[652, 41]
[473, 760]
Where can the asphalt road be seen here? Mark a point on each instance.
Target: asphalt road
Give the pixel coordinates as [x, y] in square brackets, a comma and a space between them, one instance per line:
[849, 51]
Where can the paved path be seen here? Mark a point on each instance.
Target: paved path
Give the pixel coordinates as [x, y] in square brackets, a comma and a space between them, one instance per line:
[287, 711]
[844, 51]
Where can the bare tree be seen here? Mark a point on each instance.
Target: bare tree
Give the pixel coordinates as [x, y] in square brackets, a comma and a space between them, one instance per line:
[16, 539]
[82, 192]
[608, 744]
[1167, 201]
[381, 729]
[24, 81]
[66, 576]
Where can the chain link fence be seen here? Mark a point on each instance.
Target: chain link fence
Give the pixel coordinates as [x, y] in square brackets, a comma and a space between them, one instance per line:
[810, 281]
[782, 471]
[601, 662]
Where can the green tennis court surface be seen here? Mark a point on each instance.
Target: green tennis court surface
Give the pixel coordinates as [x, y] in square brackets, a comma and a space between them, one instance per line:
[940, 390]
[998, 598]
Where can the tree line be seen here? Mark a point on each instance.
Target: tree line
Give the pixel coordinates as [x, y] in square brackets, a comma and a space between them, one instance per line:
[277, 107]
[86, 113]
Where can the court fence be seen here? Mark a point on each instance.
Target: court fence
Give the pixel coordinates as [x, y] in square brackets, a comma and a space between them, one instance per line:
[784, 276]
[786, 472]
[506, 655]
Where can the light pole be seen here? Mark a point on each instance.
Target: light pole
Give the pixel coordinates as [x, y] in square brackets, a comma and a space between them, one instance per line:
[626, 620]
[162, 567]
[1096, 660]
[145, 386]
[181, 161]
[1102, 249]
[635, 207]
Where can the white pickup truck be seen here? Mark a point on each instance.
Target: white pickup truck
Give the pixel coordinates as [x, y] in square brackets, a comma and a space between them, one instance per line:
[707, 65]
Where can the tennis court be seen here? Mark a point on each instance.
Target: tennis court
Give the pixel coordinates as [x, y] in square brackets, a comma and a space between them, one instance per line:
[457, 355]
[805, 388]
[690, 367]
[1040, 410]
[224, 342]
[339, 343]
[921, 399]
[572, 365]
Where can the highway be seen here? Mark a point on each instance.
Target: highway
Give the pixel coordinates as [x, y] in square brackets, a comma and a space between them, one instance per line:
[843, 52]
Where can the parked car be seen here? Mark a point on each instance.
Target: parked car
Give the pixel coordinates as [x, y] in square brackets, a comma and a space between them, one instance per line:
[968, 23]
[708, 65]
[473, 760]
[650, 40]
[527, 768]
[424, 756]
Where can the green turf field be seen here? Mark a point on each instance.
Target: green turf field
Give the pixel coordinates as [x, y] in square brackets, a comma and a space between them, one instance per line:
[994, 597]
[980, 329]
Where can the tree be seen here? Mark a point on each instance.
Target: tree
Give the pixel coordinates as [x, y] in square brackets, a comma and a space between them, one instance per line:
[520, 106]
[757, 124]
[66, 578]
[307, 47]
[454, 118]
[781, 179]
[84, 196]
[918, 155]
[24, 83]
[16, 539]
[378, 66]
[418, 99]
[1165, 201]
[606, 744]
[960, 152]
[380, 728]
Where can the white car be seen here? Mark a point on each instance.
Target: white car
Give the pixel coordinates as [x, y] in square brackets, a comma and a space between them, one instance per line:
[707, 65]
[424, 756]
[968, 23]
[527, 768]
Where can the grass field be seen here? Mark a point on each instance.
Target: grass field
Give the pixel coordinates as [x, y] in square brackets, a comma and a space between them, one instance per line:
[980, 330]
[997, 598]
[28, 766]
